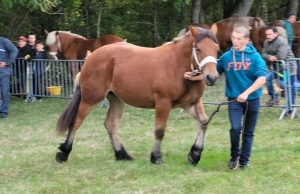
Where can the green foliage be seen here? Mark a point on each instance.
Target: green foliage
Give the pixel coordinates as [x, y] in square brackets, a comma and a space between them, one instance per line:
[44, 5]
[146, 23]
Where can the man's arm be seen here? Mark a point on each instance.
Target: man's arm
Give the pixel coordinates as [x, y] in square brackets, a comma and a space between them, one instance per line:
[264, 53]
[282, 51]
[12, 50]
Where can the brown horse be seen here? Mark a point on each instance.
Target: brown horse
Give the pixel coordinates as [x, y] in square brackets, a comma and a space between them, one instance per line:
[258, 37]
[296, 28]
[73, 47]
[146, 78]
[223, 28]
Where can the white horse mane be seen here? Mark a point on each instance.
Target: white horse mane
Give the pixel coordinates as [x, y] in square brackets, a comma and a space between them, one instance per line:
[51, 37]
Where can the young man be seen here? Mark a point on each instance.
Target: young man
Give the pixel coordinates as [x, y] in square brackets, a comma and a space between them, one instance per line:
[8, 54]
[245, 72]
[31, 42]
[38, 68]
[275, 48]
[288, 25]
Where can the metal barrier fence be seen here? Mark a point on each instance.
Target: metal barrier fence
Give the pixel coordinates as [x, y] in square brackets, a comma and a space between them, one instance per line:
[55, 78]
[280, 73]
[42, 78]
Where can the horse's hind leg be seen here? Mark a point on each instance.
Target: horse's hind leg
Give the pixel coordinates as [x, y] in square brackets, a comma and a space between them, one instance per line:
[196, 150]
[66, 147]
[73, 116]
[111, 123]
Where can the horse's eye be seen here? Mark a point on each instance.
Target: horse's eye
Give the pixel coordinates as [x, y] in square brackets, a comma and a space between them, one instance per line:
[197, 49]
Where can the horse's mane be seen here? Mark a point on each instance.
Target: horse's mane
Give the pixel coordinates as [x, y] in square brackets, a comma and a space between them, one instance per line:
[203, 33]
[51, 37]
[179, 38]
[243, 21]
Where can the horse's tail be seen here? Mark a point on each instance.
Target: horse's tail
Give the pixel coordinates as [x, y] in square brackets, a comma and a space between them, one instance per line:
[67, 118]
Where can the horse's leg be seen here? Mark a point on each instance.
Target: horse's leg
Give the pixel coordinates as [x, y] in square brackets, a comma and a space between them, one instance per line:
[162, 110]
[196, 150]
[66, 147]
[111, 124]
[73, 116]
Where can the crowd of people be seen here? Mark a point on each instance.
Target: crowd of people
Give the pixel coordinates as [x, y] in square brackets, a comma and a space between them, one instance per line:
[14, 57]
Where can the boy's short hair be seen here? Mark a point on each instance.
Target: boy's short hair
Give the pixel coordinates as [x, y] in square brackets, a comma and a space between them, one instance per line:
[39, 42]
[289, 14]
[242, 30]
[273, 28]
[31, 33]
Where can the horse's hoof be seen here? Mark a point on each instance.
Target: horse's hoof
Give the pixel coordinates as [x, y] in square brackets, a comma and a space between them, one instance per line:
[61, 157]
[192, 160]
[156, 160]
[124, 157]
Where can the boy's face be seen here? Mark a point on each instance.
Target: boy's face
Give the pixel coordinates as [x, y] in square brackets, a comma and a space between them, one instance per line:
[21, 43]
[292, 19]
[31, 39]
[39, 47]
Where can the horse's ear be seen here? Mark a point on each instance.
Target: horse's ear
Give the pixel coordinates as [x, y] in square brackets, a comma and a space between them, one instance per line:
[46, 31]
[193, 30]
[214, 29]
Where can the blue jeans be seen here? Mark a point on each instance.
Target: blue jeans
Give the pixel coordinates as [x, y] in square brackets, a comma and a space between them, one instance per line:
[272, 75]
[5, 94]
[236, 111]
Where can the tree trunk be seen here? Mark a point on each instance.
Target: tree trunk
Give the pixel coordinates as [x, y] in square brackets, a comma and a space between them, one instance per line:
[202, 15]
[242, 7]
[99, 17]
[196, 7]
[227, 6]
[87, 23]
[293, 6]
[155, 33]
[183, 14]
[264, 10]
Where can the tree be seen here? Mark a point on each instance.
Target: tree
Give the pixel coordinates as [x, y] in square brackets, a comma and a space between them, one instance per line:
[43, 5]
[292, 6]
[227, 6]
[196, 7]
[242, 7]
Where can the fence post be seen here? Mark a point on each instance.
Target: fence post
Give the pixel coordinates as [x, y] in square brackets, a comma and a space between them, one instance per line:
[29, 82]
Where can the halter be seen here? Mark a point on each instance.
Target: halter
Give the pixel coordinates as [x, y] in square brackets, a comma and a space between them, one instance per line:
[58, 47]
[208, 59]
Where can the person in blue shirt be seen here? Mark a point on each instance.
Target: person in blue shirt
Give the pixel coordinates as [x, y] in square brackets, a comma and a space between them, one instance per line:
[245, 72]
[8, 54]
[288, 26]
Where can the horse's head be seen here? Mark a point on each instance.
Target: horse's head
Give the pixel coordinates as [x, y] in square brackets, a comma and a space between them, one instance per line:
[53, 42]
[57, 41]
[205, 51]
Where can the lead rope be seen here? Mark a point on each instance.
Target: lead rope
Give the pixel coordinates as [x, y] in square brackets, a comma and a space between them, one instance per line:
[217, 110]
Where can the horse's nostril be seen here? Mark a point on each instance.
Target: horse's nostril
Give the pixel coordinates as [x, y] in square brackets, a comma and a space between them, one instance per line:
[211, 79]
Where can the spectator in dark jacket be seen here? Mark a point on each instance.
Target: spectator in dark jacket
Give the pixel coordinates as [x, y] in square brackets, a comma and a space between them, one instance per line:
[20, 65]
[8, 54]
[288, 25]
[38, 69]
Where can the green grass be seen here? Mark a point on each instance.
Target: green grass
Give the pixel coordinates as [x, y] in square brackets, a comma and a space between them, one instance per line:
[28, 144]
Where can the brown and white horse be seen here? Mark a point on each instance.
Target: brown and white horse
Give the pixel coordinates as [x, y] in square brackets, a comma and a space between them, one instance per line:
[146, 78]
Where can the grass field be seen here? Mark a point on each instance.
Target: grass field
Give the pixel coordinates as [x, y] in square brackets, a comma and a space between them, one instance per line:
[28, 143]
